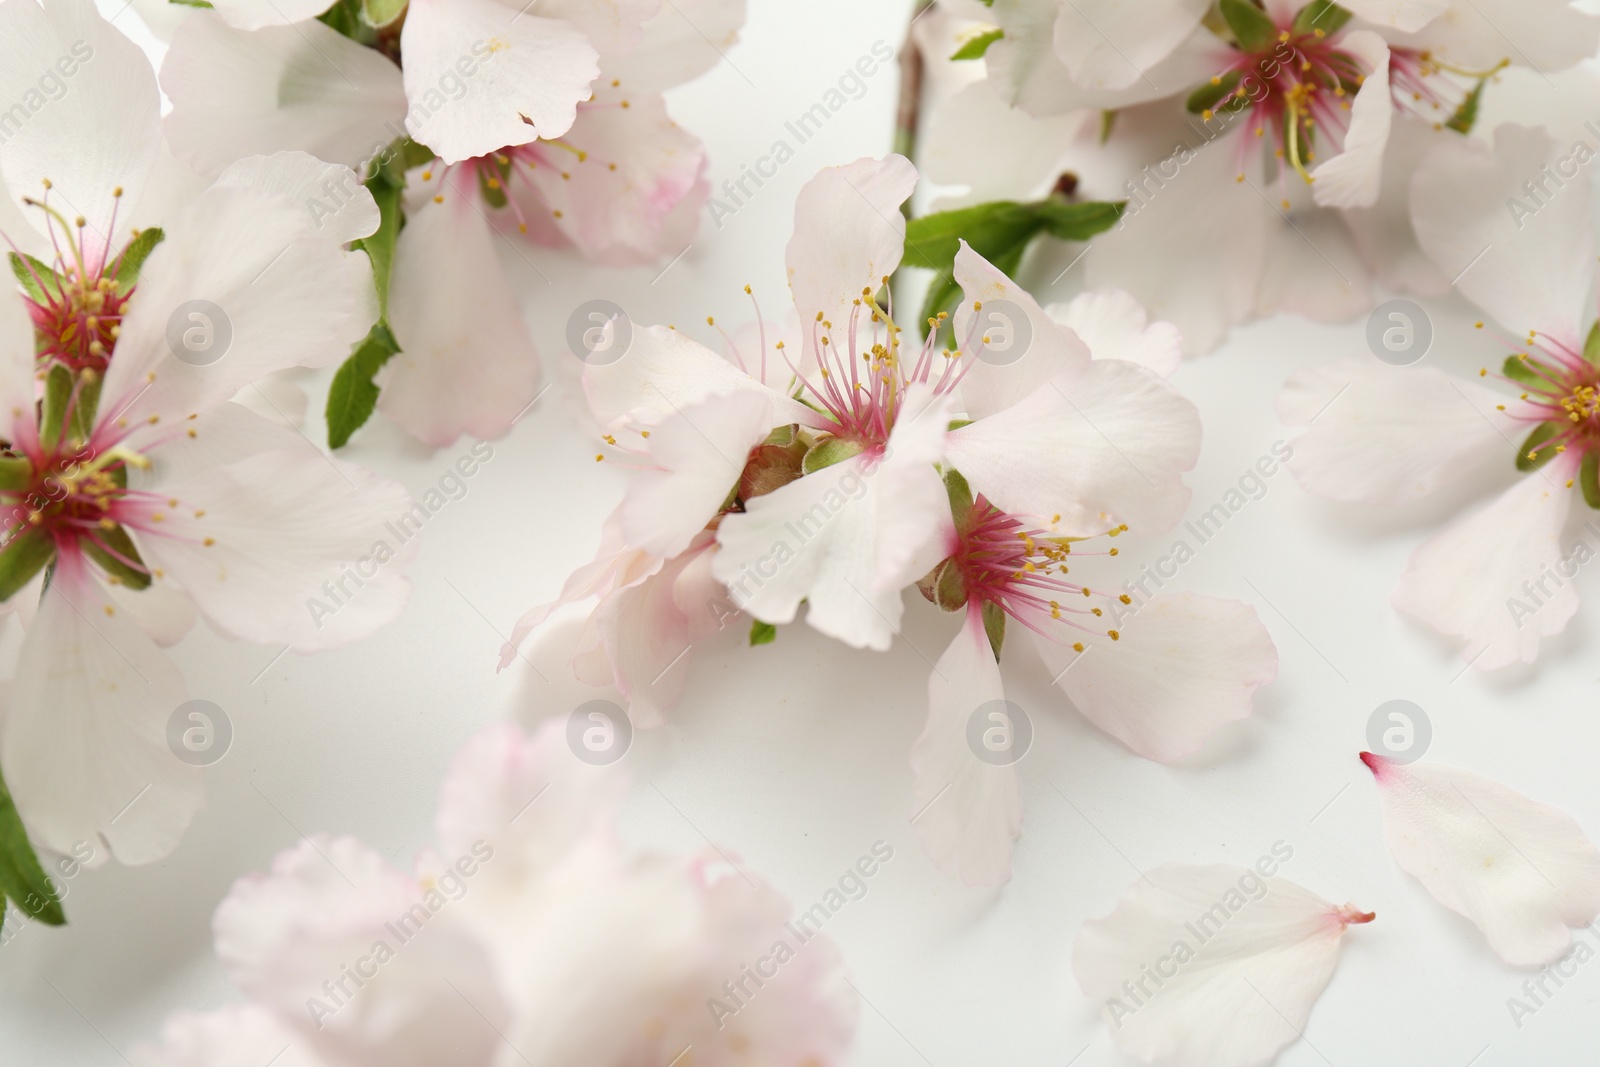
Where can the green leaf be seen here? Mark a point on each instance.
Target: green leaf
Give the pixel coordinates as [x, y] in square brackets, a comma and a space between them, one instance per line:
[1591, 347]
[1213, 92]
[353, 395]
[762, 633]
[1466, 115]
[20, 262]
[1080, 221]
[21, 876]
[1589, 479]
[1521, 370]
[118, 541]
[382, 12]
[133, 257]
[1530, 457]
[1251, 26]
[1321, 15]
[380, 245]
[994, 624]
[977, 46]
[827, 452]
[24, 556]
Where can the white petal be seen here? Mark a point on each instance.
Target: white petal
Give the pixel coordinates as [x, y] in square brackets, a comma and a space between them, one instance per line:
[1312, 267]
[1509, 549]
[1382, 233]
[695, 458]
[646, 630]
[478, 80]
[1105, 44]
[1522, 871]
[1037, 150]
[1545, 35]
[1202, 216]
[612, 26]
[663, 371]
[1405, 15]
[305, 550]
[1114, 326]
[99, 131]
[967, 812]
[1531, 267]
[848, 236]
[340, 207]
[466, 363]
[1104, 445]
[254, 14]
[238, 1036]
[1240, 961]
[998, 378]
[85, 739]
[1183, 667]
[305, 88]
[279, 296]
[1387, 434]
[18, 387]
[1351, 178]
[846, 539]
[684, 40]
[162, 610]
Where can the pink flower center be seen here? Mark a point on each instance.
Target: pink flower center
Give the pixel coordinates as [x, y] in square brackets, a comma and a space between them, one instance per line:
[1561, 393]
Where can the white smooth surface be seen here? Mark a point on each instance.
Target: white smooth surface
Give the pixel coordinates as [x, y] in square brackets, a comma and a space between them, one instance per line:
[794, 756]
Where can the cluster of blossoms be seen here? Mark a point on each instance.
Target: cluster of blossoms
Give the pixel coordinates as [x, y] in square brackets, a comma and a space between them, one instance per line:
[475, 121]
[1266, 151]
[841, 465]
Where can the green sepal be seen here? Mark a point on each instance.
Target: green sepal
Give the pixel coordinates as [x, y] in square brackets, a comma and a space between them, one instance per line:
[828, 451]
[1517, 369]
[380, 13]
[1321, 15]
[1466, 115]
[977, 46]
[1251, 26]
[493, 195]
[762, 633]
[994, 624]
[345, 16]
[133, 256]
[25, 555]
[1529, 456]
[379, 245]
[1589, 479]
[1209, 95]
[57, 394]
[15, 473]
[1591, 347]
[191, 3]
[1108, 122]
[20, 262]
[960, 493]
[944, 587]
[22, 877]
[118, 540]
[354, 395]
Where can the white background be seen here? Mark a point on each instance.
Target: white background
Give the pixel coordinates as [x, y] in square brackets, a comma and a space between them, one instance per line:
[793, 756]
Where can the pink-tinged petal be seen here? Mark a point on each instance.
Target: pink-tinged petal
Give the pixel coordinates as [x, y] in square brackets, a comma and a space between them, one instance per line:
[1407, 16]
[1108, 45]
[519, 806]
[466, 363]
[612, 26]
[1183, 667]
[85, 737]
[244, 1035]
[647, 630]
[290, 936]
[480, 77]
[340, 207]
[683, 41]
[1018, 349]
[694, 460]
[1248, 958]
[254, 14]
[1351, 178]
[847, 538]
[1510, 549]
[1386, 434]
[1100, 446]
[848, 236]
[1382, 232]
[305, 88]
[243, 272]
[663, 371]
[100, 134]
[1312, 267]
[1530, 263]
[285, 546]
[1522, 871]
[1205, 215]
[617, 201]
[164, 612]
[967, 811]
[1114, 326]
